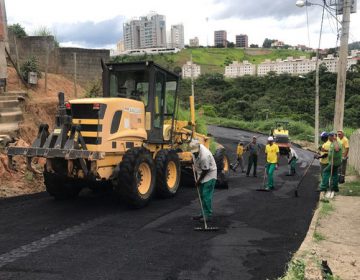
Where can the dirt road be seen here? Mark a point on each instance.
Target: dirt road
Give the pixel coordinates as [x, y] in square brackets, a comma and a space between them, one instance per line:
[94, 237]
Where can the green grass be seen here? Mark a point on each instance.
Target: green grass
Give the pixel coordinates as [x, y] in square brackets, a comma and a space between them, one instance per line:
[318, 236]
[295, 271]
[214, 59]
[326, 209]
[350, 189]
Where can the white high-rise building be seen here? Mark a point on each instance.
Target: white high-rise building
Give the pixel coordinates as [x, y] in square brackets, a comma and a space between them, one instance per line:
[146, 32]
[177, 36]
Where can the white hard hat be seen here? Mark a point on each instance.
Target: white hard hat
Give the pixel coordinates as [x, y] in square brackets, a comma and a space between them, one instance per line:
[270, 138]
[194, 146]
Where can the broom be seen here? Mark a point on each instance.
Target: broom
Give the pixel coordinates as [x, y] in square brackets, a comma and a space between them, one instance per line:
[206, 227]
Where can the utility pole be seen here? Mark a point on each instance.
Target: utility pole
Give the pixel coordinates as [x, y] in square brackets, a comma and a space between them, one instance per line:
[75, 75]
[342, 66]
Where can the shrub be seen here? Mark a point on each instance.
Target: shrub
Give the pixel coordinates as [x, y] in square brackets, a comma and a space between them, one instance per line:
[30, 65]
[18, 30]
[94, 89]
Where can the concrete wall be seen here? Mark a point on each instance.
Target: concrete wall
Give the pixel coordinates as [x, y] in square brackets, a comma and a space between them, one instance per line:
[354, 152]
[61, 60]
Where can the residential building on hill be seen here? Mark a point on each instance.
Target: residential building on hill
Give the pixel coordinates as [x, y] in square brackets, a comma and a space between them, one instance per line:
[241, 41]
[220, 38]
[238, 69]
[177, 36]
[194, 42]
[191, 70]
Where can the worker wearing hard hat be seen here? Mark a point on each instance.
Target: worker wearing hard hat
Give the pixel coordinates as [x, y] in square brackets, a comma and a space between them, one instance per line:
[272, 160]
[206, 175]
[330, 173]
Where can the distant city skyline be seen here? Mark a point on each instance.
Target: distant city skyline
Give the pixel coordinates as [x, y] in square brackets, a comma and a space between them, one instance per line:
[98, 25]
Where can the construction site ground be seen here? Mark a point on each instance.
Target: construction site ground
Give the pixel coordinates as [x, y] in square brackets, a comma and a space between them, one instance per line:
[39, 107]
[96, 237]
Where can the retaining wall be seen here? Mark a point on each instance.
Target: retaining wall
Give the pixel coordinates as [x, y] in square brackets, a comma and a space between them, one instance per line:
[354, 152]
[61, 60]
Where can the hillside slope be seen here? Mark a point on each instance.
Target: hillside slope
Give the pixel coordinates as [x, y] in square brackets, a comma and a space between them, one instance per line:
[215, 59]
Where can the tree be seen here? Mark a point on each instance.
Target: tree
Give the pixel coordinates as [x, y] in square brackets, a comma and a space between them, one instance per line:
[44, 31]
[177, 70]
[230, 45]
[267, 43]
[254, 46]
[18, 30]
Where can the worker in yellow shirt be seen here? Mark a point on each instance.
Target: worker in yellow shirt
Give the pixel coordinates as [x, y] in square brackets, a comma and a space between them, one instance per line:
[272, 160]
[240, 159]
[324, 150]
[345, 146]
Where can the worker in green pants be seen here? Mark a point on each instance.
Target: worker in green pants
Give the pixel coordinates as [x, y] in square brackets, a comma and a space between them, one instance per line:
[206, 175]
[330, 173]
[272, 159]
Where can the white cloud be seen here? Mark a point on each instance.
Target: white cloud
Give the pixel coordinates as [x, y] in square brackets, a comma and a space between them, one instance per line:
[282, 20]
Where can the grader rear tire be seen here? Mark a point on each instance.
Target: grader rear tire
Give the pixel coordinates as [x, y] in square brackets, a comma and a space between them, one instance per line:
[58, 184]
[135, 180]
[168, 173]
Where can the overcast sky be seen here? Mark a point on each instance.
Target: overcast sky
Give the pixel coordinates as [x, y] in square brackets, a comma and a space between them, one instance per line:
[98, 24]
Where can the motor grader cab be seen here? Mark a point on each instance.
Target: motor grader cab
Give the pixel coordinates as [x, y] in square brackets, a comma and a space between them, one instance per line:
[281, 136]
[130, 138]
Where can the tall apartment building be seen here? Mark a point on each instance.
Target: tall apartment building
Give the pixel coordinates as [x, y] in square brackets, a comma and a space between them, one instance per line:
[241, 41]
[177, 36]
[146, 32]
[220, 38]
[191, 69]
[194, 42]
[238, 69]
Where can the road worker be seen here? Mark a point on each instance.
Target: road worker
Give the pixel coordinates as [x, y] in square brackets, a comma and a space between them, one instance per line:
[324, 150]
[206, 175]
[330, 172]
[272, 161]
[345, 146]
[253, 148]
[292, 160]
[239, 159]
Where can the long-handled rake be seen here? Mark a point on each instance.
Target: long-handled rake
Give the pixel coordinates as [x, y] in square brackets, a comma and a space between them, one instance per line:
[206, 227]
[263, 187]
[302, 178]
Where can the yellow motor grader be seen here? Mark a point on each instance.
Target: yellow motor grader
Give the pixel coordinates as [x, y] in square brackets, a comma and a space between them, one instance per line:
[130, 138]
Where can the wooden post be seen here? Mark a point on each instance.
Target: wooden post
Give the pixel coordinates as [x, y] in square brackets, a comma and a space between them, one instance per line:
[46, 67]
[75, 74]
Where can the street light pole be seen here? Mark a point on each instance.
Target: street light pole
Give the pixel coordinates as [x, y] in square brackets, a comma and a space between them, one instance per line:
[342, 67]
[301, 3]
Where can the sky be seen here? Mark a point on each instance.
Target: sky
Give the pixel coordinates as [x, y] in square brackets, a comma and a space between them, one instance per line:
[98, 24]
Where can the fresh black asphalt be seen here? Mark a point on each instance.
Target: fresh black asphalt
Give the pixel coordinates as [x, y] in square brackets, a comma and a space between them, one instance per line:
[95, 237]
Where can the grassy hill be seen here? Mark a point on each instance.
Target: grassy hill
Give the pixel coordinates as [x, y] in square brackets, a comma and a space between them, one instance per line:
[214, 59]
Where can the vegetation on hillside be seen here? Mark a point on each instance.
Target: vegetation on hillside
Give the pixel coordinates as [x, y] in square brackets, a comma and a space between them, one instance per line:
[255, 102]
[213, 60]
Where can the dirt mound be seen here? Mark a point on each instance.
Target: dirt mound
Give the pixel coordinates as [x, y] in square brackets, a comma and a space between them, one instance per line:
[257, 52]
[39, 107]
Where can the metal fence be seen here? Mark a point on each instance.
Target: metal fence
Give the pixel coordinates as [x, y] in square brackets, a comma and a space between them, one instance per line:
[354, 153]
